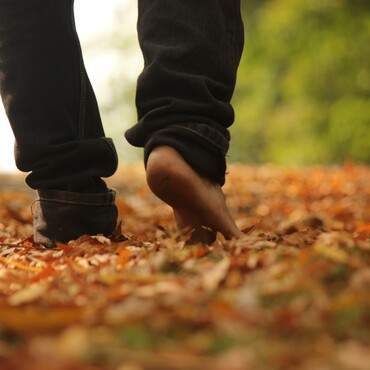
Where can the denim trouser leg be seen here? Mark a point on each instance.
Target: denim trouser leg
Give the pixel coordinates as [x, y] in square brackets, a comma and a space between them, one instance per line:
[191, 50]
[49, 100]
[55, 119]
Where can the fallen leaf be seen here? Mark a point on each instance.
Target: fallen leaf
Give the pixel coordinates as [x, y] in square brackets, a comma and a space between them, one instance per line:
[28, 294]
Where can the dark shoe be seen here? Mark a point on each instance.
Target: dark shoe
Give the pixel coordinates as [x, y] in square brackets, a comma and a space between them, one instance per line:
[62, 216]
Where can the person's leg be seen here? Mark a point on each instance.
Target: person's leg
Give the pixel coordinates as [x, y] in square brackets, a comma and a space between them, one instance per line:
[191, 51]
[55, 119]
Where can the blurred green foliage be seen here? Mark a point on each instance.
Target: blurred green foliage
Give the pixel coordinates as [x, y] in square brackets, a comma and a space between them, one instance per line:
[304, 83]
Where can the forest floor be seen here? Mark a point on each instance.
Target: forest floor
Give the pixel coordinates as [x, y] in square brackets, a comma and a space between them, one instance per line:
[294, 293]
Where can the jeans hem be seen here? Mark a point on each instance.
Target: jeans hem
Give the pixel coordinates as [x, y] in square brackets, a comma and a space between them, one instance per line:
[204, 150]
[89, 199]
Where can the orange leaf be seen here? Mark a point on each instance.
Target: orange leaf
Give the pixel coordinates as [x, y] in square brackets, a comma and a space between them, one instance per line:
[64, 247]
[249, 229]
[117, 235]
[28, 242]
[200, 252]
[363, 235]
[45, 273]
[20, 265]
[363, 228]
[123, 257]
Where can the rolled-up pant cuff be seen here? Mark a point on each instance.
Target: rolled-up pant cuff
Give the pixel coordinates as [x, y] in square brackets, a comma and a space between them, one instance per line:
[203, 147]
[67, 197]
[60, 216]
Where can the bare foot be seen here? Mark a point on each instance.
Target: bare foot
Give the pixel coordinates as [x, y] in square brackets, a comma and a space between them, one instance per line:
[196, 201]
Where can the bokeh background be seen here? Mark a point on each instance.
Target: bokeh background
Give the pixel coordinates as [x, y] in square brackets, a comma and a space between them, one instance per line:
[303, 88]
[304, 82]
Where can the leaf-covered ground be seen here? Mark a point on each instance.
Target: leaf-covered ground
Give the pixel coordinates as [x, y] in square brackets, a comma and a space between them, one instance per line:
[294, 293]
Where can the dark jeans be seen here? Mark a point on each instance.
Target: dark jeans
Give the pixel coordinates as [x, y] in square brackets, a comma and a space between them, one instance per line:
[191, 49]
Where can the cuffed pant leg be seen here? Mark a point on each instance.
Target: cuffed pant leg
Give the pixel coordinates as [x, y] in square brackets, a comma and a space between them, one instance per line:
[49, 100]
[191, 51]
[60, 216]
